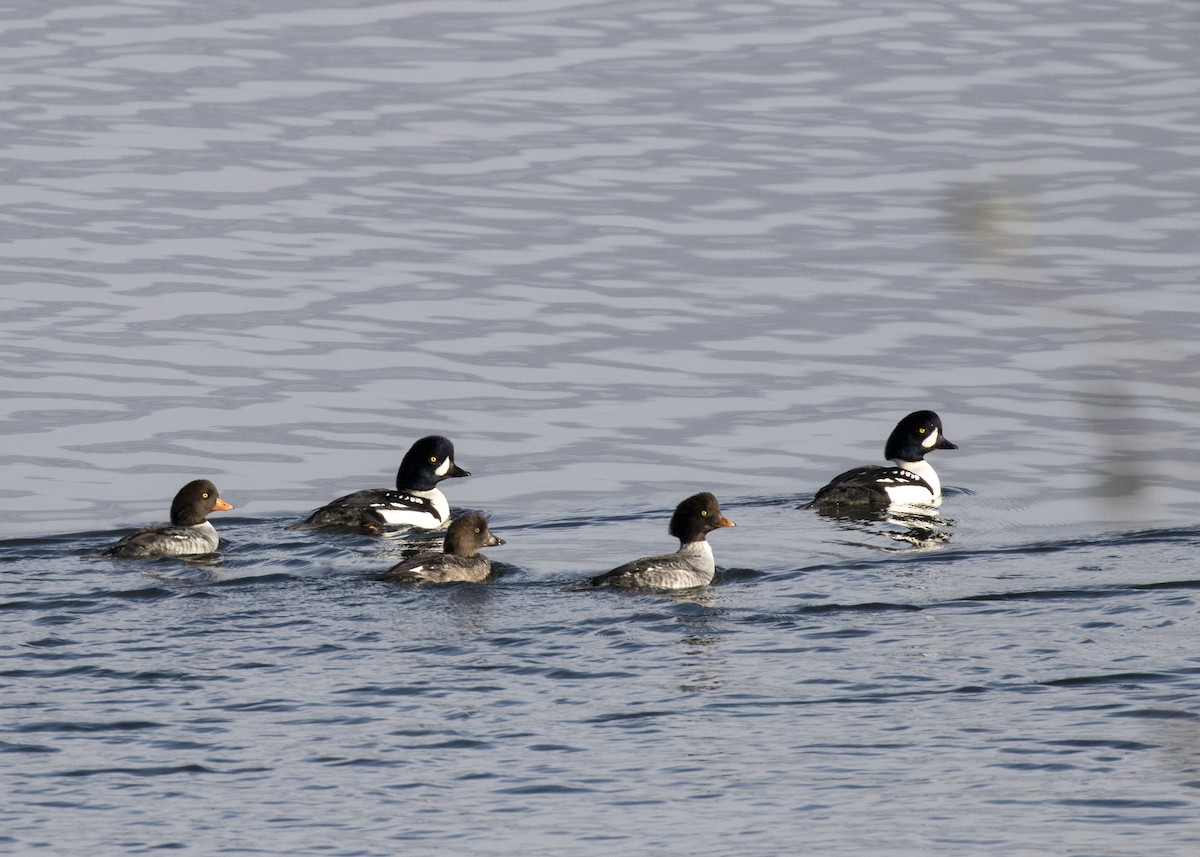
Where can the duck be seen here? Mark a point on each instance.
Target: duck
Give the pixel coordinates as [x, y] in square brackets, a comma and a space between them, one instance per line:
[690, 566]
[460, 560]
[911, 481]
[189, 532]
[415, 502]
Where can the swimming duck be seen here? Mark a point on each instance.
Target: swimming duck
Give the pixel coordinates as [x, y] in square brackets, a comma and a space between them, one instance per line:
[189, 531]
[415, 502]
[460, 560]
[690, 566]
[911, 481]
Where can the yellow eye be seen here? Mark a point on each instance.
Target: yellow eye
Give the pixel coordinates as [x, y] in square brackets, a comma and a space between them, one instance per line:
[433, 458]
[704, 513]
[920, 431]
[205, 495]
[477, 529]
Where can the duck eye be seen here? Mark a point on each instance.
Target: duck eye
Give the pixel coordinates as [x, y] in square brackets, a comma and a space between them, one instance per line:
[921, 431]
[704, 513]
[433, 458]
[204, 495]
[477, 529]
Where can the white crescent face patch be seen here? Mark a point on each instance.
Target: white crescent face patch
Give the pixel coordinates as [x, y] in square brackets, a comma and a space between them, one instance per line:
[929, 442]
[444, 467]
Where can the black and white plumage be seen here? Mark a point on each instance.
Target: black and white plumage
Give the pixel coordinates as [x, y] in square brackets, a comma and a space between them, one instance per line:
[690, 566]
[460, 560]
[416, 501]
[911, 481]
[188, 533]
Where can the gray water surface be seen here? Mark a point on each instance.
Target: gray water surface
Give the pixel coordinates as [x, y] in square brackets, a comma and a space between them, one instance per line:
[619, 253]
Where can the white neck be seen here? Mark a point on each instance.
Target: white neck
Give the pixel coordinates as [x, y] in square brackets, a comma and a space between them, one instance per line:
[925, 471]
[439, 501]
[699, 556]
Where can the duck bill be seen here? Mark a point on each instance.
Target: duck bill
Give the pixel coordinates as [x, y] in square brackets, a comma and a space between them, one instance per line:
[723, 522]
[455, 470]
[221, 506]
[943, 443]
[495, 541]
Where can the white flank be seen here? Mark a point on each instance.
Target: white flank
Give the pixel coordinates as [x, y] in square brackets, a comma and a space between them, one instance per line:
[399, 515]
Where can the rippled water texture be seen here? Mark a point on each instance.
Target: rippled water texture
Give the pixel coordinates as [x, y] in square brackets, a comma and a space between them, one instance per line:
[619, 253]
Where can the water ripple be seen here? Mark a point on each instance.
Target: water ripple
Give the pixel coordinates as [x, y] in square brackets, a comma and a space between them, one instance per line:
[620, 253]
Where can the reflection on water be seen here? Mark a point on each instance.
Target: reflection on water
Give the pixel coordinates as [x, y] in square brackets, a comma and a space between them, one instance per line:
[914, 527]
[703, 662]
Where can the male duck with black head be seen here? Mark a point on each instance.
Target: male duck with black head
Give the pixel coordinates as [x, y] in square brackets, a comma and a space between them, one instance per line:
[415, 502]
[910, 481]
